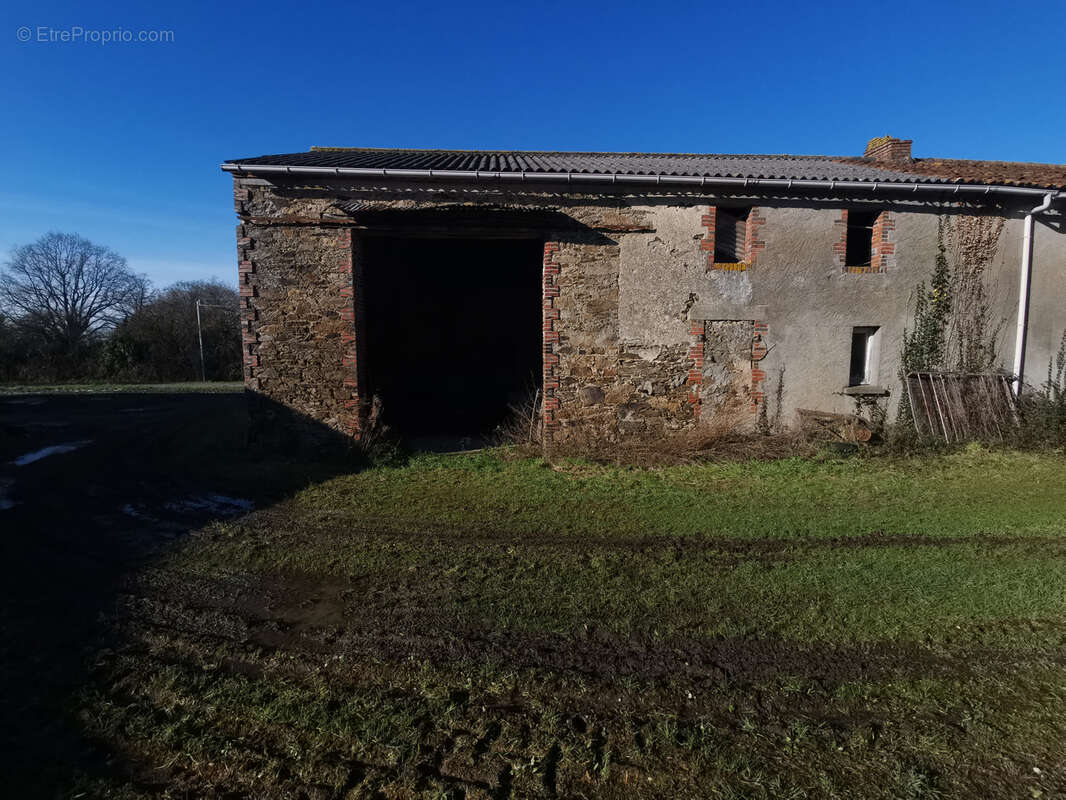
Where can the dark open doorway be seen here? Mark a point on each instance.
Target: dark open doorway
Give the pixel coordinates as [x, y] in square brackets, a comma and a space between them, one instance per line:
[454, 334]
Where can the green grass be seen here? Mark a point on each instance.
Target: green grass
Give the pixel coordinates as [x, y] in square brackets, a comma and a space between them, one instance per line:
[488, 626]
[970, 492]
[196, 387]
[729, 549]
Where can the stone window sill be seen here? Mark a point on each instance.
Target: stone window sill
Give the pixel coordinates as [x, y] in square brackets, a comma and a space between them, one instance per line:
[865, 390]
[734, 266]
[862, 270]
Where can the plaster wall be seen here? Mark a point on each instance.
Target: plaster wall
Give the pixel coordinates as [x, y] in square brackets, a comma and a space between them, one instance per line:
[1047, 312]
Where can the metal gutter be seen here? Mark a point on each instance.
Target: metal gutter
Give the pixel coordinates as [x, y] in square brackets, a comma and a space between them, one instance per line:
[798, 184]
[1026, 273]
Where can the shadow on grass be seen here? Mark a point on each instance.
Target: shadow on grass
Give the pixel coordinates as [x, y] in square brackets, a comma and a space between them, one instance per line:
[148, 469]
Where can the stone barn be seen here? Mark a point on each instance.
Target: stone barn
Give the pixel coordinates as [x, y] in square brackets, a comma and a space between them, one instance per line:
[630, 294]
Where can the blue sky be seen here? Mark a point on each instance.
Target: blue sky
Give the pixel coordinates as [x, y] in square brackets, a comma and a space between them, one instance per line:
[121, 142]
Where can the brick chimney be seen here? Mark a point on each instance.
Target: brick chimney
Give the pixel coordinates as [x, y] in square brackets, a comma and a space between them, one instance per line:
[889, 150]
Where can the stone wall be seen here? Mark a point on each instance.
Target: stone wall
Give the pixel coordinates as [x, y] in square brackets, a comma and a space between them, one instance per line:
[297, 320]
[642, 334]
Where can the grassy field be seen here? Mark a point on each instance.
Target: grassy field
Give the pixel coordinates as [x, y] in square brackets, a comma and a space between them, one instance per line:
[195, 387]
[486, 626]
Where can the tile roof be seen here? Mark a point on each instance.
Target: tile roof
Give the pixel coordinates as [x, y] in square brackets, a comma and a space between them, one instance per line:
[676, 164]
[1008, 173]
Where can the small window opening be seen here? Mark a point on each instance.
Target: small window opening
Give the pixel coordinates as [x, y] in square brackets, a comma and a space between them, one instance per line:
[864, 356]
[730, 235]
[860, 238]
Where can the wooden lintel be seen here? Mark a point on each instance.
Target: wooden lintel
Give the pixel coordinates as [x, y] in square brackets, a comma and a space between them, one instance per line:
[457, 228]
[295, 220]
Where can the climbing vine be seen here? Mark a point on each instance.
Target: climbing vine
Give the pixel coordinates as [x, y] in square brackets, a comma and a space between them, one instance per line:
[953, 327]
[973, 332]
[924, 343]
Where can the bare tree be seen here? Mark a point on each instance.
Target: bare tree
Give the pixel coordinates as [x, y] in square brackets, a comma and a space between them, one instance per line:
[64, 289]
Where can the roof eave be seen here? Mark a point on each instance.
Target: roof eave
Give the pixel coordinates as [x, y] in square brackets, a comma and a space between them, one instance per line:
[789, 184]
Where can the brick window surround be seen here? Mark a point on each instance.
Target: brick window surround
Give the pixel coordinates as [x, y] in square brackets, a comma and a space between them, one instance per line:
[882, 244]
[753, 243]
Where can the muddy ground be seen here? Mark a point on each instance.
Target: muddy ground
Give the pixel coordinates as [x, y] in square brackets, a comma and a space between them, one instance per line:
[283, 684]
[153, 646]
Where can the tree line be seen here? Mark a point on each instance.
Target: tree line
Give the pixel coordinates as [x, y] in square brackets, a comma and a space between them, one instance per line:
[72, 310]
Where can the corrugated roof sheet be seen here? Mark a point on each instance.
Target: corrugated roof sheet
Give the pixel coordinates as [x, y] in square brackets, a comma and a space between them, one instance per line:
[677, 164]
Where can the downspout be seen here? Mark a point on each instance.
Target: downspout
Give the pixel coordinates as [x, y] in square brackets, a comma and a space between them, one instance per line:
[1023, 292]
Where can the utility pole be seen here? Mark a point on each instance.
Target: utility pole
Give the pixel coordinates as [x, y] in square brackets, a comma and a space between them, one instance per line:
[200, 333]
[200, 336]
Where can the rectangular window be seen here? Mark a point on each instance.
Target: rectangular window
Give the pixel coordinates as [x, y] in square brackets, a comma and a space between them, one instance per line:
[730, 235]
[860, 238]
[865, 353]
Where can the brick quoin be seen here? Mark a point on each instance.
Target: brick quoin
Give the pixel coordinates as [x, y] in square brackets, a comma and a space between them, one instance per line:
[709, 220]
[246, 282]
[759, 350]
[753, 244]
[350, 418]
[246, 279]
[697, 332]
[551, 270]
[707, 243]
[884, 248]
[840, 246]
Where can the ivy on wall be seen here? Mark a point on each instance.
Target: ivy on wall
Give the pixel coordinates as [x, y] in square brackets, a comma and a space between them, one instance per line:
[923, 347]
[973, 333]
[953, 328]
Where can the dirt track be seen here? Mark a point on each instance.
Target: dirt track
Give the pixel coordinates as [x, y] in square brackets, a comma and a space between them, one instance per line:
[564, 698]
[310, 615]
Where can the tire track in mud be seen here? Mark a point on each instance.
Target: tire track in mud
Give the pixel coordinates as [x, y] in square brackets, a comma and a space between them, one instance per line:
[435, 754]
[303, 615]
[754, 548]
[301, 631]
[438, 761]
